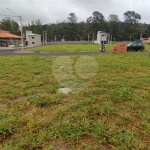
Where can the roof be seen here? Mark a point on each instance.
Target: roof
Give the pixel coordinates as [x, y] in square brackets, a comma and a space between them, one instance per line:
[4, 31]
[103, 32]
[9, 35]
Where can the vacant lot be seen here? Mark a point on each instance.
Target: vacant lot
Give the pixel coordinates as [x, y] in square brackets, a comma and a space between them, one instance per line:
[112, 112]
[70, 48]
[73, 48]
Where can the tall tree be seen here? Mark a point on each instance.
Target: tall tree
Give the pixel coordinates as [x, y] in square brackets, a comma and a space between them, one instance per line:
[72, 18]
[72, 26]
[98, 17]
[132, 17]
[114, 26]
[113, 18]
[96, 22]
[10, 25]
[131, 25]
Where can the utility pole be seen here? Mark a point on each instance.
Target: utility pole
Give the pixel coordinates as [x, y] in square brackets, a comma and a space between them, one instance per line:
[130, 38]
[141, 35]
[20, 26]
[21, 33]
[93, 38]
[43, 37]
[110, 39]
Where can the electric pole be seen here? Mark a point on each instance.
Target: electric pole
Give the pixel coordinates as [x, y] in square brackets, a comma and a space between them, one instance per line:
[20, 26]
[43, 37]
[21, 33]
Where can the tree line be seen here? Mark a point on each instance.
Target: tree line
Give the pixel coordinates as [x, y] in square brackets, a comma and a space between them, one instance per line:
[72, 30]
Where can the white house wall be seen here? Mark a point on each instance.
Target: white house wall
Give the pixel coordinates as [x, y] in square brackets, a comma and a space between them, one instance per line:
[101, 36]
[28, 32]
[34, 40]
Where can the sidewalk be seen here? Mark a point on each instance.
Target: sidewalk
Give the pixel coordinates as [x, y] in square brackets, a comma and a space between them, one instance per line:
[3, 48]
[9, 48]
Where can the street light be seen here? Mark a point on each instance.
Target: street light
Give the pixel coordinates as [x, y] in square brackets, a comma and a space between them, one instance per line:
[21, 27]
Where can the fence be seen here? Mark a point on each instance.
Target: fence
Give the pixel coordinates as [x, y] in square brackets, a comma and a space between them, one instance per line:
[69, 42]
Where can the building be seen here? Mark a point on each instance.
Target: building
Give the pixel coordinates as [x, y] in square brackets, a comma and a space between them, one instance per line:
[102, 38]
[9, 40]
[33, 39]
[146, 40]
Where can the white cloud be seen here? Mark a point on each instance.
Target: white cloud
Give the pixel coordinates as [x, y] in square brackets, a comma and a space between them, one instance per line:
[50, 11]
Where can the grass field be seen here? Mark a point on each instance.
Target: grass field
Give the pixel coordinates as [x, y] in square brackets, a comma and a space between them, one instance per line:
[111, 113]
[69, 48]
[73, 48]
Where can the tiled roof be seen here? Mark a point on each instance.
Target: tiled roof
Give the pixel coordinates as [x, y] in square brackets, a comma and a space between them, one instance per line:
[8, 35]
[4, 31]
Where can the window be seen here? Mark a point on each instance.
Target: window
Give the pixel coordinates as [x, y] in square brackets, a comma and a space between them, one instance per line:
[134, 44]
[32, 37]
[139, 44]
[32, 42]
[129, 44]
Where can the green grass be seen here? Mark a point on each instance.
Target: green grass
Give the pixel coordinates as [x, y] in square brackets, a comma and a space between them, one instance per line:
[110, 112]
[73, 48]
[70, 48]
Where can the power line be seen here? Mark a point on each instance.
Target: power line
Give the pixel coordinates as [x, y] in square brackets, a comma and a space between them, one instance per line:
[24, 21]
[12, 16]
[73, 1]
[7, 15]
[64, 1]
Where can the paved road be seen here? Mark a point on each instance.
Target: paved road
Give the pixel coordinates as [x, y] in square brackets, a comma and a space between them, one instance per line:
[10, 52]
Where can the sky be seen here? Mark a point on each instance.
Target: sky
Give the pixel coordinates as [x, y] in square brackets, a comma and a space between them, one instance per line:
[54, 11]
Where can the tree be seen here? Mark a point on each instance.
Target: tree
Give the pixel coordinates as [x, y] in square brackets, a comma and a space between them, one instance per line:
[73, 30]
[114, 26]
[72, 18]
[113, 18]
[132, 17]
[34, 26]
[89, 20]
[10, 25]
[72, 27]
[98, 17]
[131, 25]
[96, 22]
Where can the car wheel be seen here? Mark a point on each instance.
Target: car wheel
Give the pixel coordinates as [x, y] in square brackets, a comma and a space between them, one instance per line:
[141, 49]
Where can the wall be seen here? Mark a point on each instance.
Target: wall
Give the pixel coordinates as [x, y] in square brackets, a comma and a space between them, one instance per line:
[101, 38]
[69, 42]
[28, 32]
[146, 40]
[36, 40]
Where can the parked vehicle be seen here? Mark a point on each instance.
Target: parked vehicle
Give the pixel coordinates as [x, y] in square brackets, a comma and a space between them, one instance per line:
[135, 46]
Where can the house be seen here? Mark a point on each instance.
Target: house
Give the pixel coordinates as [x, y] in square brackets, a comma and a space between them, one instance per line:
[33, 39]
[146, 40]
[9, 40]
[102, 37]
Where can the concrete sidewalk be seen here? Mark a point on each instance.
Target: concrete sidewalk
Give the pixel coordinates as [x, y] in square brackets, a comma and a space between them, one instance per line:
[16, 48]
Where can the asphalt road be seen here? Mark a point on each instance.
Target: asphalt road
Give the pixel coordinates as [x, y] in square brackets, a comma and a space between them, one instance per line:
[11, 52]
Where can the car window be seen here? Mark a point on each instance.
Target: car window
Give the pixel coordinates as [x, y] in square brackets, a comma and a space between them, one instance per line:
[139, 44]
[129, 44]
[134, 44]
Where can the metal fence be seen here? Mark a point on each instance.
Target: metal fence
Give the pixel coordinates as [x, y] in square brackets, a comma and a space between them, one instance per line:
[68, 42]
